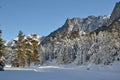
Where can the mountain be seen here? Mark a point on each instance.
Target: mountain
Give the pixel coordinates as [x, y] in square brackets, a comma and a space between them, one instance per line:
[84, 40]
[84, 25]
[80, 41]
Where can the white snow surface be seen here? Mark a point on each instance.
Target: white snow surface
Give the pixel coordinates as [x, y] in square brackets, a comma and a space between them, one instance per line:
[63, 72]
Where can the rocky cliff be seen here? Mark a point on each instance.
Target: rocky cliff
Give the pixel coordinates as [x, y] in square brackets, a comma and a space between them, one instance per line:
[84, 25]
[115, 14]
[84, 40]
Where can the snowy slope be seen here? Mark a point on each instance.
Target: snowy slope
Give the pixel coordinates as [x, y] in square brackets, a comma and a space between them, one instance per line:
[64, 72]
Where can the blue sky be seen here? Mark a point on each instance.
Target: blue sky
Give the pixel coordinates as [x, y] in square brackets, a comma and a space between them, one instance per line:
[44, 16]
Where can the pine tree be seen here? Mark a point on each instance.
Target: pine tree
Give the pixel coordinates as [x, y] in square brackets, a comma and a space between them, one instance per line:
[26, 50]
[20, 56]
[31, 50]
[2, 50]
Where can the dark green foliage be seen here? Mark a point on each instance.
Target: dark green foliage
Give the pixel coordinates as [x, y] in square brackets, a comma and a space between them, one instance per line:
[2, 50]
[26, 51]
[20, 56]
[2, 46]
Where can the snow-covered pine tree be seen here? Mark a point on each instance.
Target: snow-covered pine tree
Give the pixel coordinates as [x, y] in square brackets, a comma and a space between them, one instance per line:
[31, 44]
[26, 50]
[20, 56]
[2, 51]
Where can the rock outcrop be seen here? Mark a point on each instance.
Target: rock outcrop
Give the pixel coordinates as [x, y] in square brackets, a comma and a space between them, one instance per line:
[115, 14]
[83, 25]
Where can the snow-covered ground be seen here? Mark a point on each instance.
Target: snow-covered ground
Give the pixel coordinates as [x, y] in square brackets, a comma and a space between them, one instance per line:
[63, 72]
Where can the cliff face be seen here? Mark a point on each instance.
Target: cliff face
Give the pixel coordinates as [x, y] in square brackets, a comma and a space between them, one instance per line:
[84, 40]
[116, 13]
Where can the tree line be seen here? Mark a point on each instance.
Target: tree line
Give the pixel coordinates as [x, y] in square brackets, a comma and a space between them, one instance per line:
[25, 50]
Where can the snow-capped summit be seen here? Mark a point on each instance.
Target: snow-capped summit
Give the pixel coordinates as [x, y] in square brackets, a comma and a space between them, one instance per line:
[9, 43]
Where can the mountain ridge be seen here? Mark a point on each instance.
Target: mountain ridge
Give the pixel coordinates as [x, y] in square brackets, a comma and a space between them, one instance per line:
[85, 40]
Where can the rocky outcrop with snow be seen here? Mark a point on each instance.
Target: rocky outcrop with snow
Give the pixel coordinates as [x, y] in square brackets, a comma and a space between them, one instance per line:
[88, 24]
[84, 40]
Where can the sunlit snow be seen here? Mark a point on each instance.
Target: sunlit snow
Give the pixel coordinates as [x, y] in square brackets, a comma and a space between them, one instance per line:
[63, 72]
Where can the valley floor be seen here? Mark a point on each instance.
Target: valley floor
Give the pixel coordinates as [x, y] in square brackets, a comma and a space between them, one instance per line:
[63, 72]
